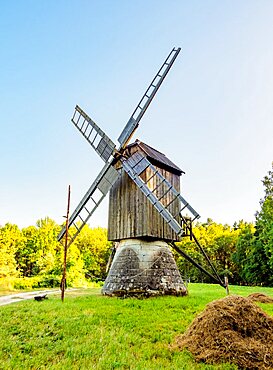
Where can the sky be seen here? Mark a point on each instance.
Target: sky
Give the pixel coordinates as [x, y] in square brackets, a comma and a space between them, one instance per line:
[213, 115]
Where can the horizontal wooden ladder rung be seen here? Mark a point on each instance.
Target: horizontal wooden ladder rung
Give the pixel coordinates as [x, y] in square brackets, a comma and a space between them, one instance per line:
[185, 206]
[82, 220]
[171, 202]
[151, 177]
[87, 126]
[92, 129]
[74, 115]
[164, 194]
[92, 142]
[76, 226]
[78, 119]
[87, 209]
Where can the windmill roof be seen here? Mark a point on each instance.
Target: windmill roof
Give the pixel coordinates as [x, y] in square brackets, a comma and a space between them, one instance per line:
[156, 157]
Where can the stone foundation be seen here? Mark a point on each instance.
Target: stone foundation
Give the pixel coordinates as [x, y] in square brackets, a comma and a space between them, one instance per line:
[143, 268]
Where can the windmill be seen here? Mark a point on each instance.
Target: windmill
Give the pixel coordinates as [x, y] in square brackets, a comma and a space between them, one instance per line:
[147, 213]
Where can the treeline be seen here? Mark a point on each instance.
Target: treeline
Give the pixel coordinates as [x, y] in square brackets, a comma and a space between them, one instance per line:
[32, 257]
[243, 252]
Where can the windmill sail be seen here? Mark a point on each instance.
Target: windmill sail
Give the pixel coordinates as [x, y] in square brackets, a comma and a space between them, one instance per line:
[147, 98]
[90, 202]
[102, 144]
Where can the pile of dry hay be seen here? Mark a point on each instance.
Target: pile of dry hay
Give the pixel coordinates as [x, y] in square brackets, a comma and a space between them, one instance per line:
[260, 297]
[232, 329]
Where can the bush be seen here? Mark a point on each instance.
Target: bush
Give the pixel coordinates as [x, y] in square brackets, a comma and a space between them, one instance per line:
[13, 283]
[6, 284]
[49, 281]
[28, 283]
[44, 281]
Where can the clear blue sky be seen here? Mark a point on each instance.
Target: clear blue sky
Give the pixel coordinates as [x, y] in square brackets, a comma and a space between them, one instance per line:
[213, 116]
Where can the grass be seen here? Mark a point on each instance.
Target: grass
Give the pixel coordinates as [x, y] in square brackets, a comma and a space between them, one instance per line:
[89, 331]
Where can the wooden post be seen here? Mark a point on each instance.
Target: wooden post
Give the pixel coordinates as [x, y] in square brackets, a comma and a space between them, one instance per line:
[226, 285]
[63, 283]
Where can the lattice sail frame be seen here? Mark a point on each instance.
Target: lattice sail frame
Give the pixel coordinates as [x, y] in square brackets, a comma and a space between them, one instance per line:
[98, 139]
[146, 99]
[90, 202]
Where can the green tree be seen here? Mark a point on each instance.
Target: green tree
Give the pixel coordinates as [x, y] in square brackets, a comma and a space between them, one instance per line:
[47, 246]
[241, 256]
[264, 218]
[260, 264]
[26, 255]
[95, 249]
[10, 241]
[218, 241]
[75, 266]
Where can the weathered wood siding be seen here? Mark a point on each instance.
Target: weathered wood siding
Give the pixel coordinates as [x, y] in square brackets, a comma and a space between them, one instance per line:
[131, 215]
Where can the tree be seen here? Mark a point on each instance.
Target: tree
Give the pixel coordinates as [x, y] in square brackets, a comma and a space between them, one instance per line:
[75, 266]
[241, 256]
[10, 241]
[264, 218]
[261, 257]
[95, 249]
[219, 243]
[47, 246]
[26, 255]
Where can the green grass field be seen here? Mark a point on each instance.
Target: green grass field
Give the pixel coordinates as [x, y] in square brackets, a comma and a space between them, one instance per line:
[89, 331]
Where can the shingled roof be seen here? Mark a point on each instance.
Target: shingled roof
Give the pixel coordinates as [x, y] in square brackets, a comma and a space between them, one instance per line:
[157, 158]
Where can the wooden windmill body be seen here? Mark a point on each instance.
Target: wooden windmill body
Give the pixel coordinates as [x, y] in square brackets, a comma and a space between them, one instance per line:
[143, 262]
[131, 215]
[145, 208]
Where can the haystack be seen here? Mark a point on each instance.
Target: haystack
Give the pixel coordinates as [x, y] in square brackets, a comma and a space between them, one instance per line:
[232, 329]
[260, 297]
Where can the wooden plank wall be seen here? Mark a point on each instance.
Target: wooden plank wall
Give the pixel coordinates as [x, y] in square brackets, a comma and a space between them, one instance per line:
[131, 215]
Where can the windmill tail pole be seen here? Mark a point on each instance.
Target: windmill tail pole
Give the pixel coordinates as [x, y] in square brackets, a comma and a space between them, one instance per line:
[63, 283]
[196, 264]
[208, 260]
[203, 252]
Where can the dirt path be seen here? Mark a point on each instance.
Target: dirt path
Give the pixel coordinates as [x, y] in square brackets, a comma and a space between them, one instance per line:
[12, 298]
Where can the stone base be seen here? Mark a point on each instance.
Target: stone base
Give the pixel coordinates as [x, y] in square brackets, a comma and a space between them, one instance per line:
[143, 268]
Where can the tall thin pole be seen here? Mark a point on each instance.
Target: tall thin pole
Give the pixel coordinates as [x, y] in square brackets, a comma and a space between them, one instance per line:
[226, 284]
[63, 283]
